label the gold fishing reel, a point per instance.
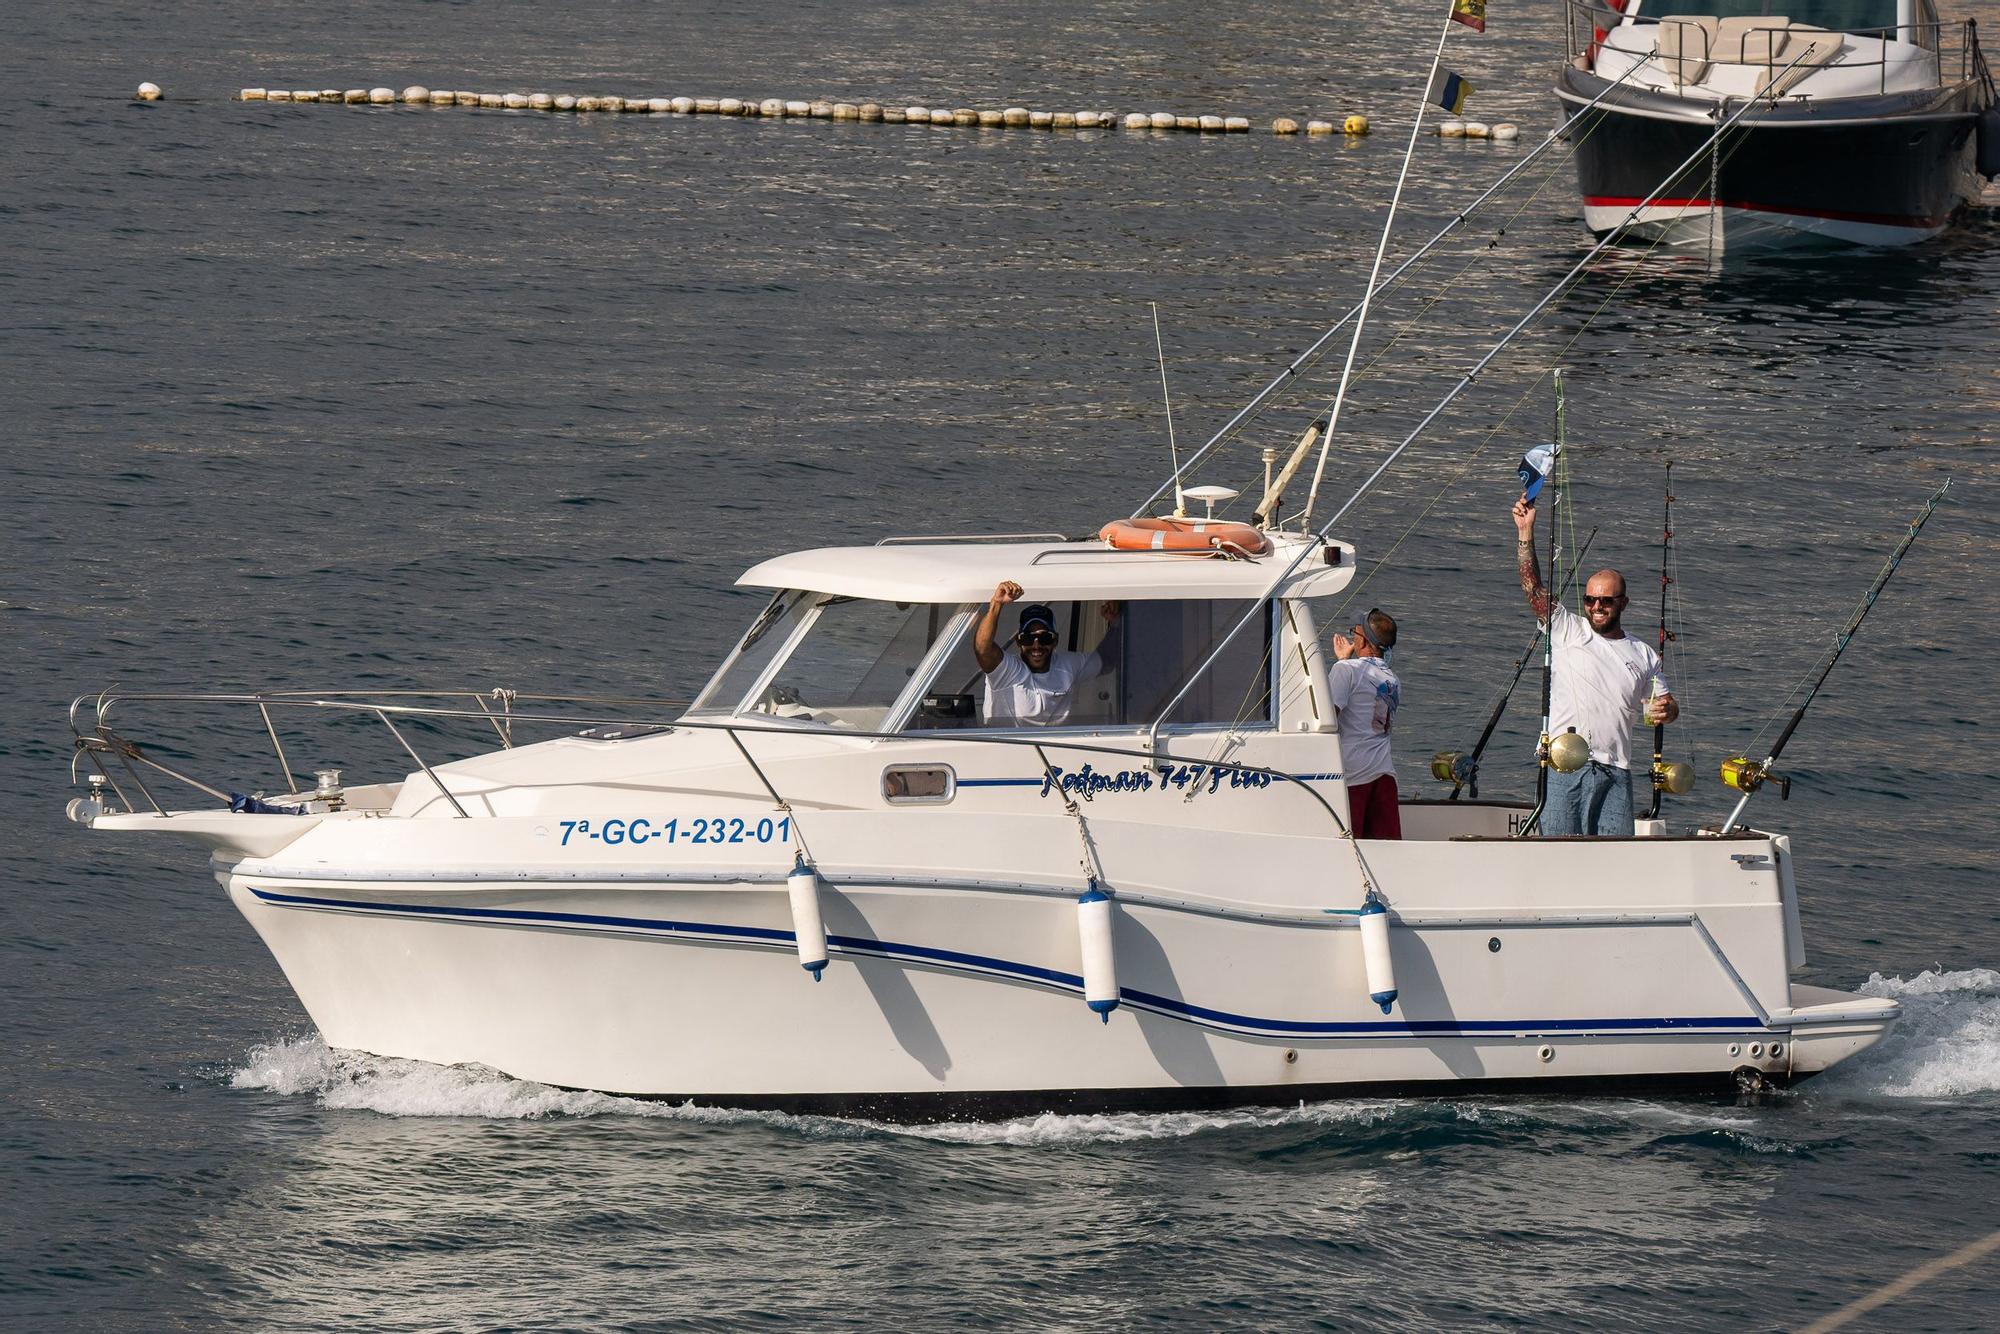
(1566, 753)
(1444, 766)
(1674, 776)
(1747, 775)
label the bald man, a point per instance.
(1604, 683)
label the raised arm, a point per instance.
(1527, 561)
(983, 648)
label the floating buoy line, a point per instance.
(1353, 126)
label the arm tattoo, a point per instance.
(1531, 579)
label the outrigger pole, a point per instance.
(1304, 361)
(1375, 271)
(1464, 382)
(1676, 778)
(1746, 775)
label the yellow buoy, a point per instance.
(1355, 124)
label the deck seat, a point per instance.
(1686, 46)
(1809, 46)
(1750, 41)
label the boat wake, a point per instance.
(1947, 1046)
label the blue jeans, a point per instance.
(1596, 799)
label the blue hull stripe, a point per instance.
(1166, 1005)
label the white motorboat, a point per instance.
(1870, 122)
(1154, 904)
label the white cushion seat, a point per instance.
(1686, 46)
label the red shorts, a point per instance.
(1374, 808)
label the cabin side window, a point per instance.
(1099, 677)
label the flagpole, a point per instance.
(1381, 248)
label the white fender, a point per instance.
(1100, 962)
(1375, 954)
(807, 928)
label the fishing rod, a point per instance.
(1308, 358)
(1544, 751)
(1747, 775)
(1465, 381)
(1677, 777)
(1462, 770)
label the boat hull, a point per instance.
(1891, 173)
(956, 1001)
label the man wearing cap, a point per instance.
(1365, 695)
(1603, 681)
(1032, 682)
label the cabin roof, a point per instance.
(956, 571)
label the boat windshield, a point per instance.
(1833, 15)
(822, 659)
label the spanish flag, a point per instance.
(1472, 13)
(1449, 91)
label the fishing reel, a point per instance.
(1747, 775)
(1455, 767)
(1565, 753)
(1674, 777)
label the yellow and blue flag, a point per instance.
(1472, 13)
(1449, 91)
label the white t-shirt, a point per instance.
(1016, 695)
(1366, 693)
(1600, 686)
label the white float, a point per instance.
(1375, 961)
(1284, 125)
(515, 101)
(354, 95)
(416, 95)
(465, 99)
(1506, 131)
(1236, 124)
(382, 96)
(251, 95)
(540, 101)
(1100, 959)
(683, 105)
(1451, 129)
(808, 930)
(148, 92)
(565, 102)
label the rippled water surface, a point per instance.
(329, 396)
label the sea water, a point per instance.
(387, 398)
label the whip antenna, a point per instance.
(1747, 775)
(1173, 449)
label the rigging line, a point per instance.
(1532, 385)
(1852, 625)
(1311, 355)
(1643, 256)
(1562, 284)
(1597, 119)
(1381, 249)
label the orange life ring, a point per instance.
(1182, 535)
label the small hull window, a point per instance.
(919, 784)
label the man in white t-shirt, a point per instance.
(1032, 681)
(1365, 695)
(1604, 681)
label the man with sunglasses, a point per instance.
(1365, 695)
(1604, 682)
(1032, 681)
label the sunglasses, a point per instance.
(1038, 639)
(1591, 601)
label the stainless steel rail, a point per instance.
(100, 741)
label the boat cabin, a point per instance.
(1778, 49)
